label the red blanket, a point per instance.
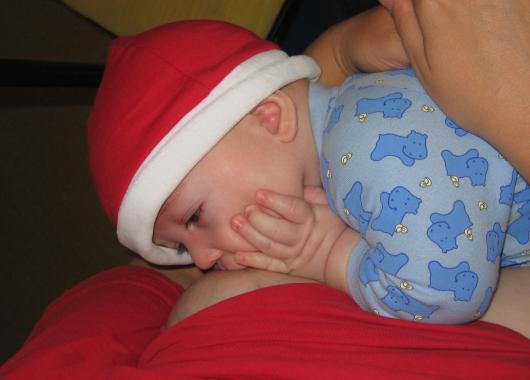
(109, 327)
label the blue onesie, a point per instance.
(438, 208)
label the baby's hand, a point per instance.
(292, 235)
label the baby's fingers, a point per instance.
(259, 241)
(258, 260)
(279, 230)
(289, 207)
(315, 195)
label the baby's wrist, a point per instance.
(337, 262)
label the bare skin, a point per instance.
(218, 286)
(309, 240)
(184, 276)
(510, 306)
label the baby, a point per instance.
(193, 120)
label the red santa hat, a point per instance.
(167, 97)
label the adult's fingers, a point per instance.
(388, 4)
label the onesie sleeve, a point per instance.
(375, 286)
(353, 274)
(424, 196)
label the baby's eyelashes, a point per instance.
(194, 218)
(181, 249)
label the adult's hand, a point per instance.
(473, 57)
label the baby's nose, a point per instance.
(205, 258)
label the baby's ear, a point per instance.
(277, 114)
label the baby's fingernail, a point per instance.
(260, 197)
(236, 222)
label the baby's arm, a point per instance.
(307, 239)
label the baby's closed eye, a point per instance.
(194, 218)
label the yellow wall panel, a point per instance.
(126, 17)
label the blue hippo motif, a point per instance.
(507, 191)
(470, 165)
(520, 228)
(524, 209)
(394, 207)
(392, 106)
(334, 118)
(486, 301)
(523, 196)
(445, 228)
(353, 203)
(459, 280)
(494, 242)
(407, 148)
(397, 300)
(331, 102)
(380, 258)
(324, 168)
(408, 72)
(459, 131)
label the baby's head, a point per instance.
(185, 118)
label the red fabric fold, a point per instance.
(109, 327)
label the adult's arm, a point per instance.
(366, 42)
(473, 57)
